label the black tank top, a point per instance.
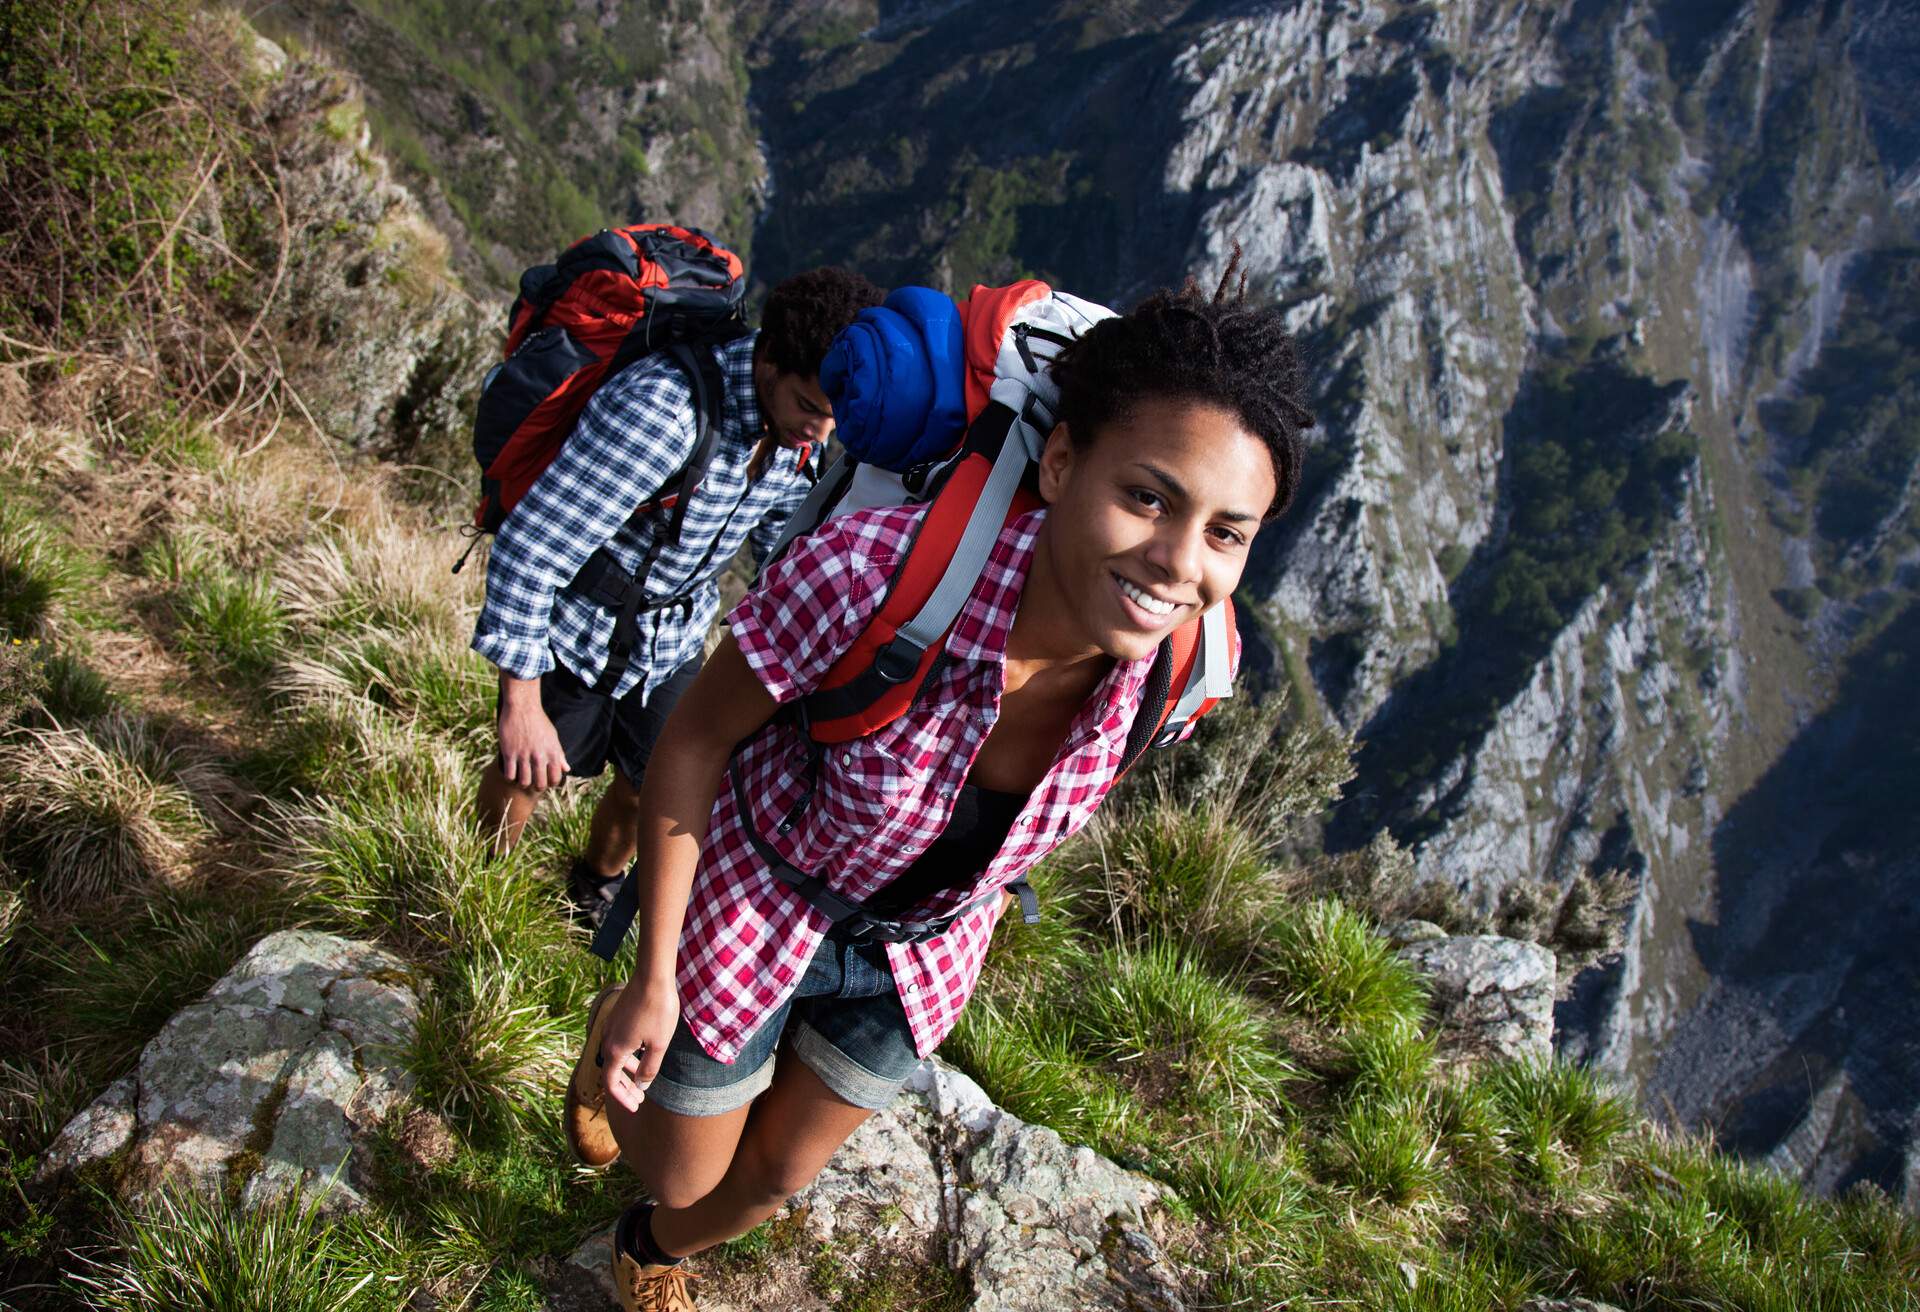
(981, 820)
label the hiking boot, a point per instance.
(644, 1288)
(590, 893)
(585, 1111)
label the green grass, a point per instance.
(119, 981)
(231, 621)
(1327, 964)
(189, 1253)
(485, 1052)
(1558, 1117)
(1162, 1019)
(96, 811)
(1383, 1150)
(42, 575)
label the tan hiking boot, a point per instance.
(650, 1288)
(585, 1112)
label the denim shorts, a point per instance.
(844, 1020)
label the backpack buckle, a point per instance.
(898, 660)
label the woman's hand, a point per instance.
(635, 1040)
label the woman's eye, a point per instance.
(1150, 499)
(1228, 536)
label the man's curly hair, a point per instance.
(1187, 345)
(806, 312)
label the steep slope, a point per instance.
(526, 125)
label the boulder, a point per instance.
(1492, 996)
(945, 1177)
(270, 1082)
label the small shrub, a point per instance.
(1327, 963)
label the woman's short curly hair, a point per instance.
(804, 313)
(1187, 345)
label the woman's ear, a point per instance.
(1056, 463)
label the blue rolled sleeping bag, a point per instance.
(896, 377)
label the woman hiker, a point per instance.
(1178, 436)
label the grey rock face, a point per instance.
(267, 1084)
(1036, 1222)
(1491, 995)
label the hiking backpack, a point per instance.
(951, 405)
(603, 303)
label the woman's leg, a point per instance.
(679, 1159)
(796, 1127)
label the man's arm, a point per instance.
(635, 433)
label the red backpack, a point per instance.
(605, 302)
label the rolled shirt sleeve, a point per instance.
(635, 433)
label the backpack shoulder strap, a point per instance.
(709, 392)
(1192, 670)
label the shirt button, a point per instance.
(912, 990)
(846, 758)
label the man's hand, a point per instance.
(530, 753)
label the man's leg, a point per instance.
(634, 728)
(615, 833)
(504, 807)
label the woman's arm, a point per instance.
(725, 705)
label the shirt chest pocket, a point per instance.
(862, 783)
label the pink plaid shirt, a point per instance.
(879, 800)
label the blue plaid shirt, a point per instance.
(635, 434)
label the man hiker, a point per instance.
(566, 704)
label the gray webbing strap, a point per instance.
(1216, 662)
(970, 556)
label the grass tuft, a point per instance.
(1384, 1150)
(1239, 1188)
(1326, 962)
(197, 1254)
(231, 621)
(1180, 1033)
(1558, 1116)
(482, 1053)
(42, 575)
(1178, 874)
(97, 811)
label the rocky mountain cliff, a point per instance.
(1608, 550)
